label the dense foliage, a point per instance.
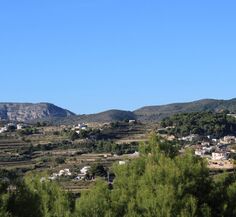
(202, 123)
(158, 183)
(33, 197)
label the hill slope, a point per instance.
(108, 116)
(102, 117)
(156, 113)
(24, 112)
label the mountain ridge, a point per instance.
(161, 111)
(31, 112)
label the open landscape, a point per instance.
(117, 108)
(42, 148)
(77, 156)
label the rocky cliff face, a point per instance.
(24, 112)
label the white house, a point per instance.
(82, 126)
(85, 169)
(20, 126)
(219, 155)
(229, 139)
(208, 149)
(3, 129)
(67, 172)
(64, 172)
(190, 138)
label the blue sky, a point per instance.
(93, 55)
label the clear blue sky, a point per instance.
(93, 55)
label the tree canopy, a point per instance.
(157, 184)
(202, 123)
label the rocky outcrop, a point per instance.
(25, 112)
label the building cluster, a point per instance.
(64, 172)
(80, 127)
(8, 127)
(67, 173)
(83, 173)
(211, 148)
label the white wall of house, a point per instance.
(219, 156)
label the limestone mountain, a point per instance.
(25, 112)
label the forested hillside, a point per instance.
(202, 123)
(157, 113)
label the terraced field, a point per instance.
(51, 149)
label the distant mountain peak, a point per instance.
(25, 112)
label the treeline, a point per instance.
(109, 146)
(160, 183)
(202, 123)
(86, 146)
